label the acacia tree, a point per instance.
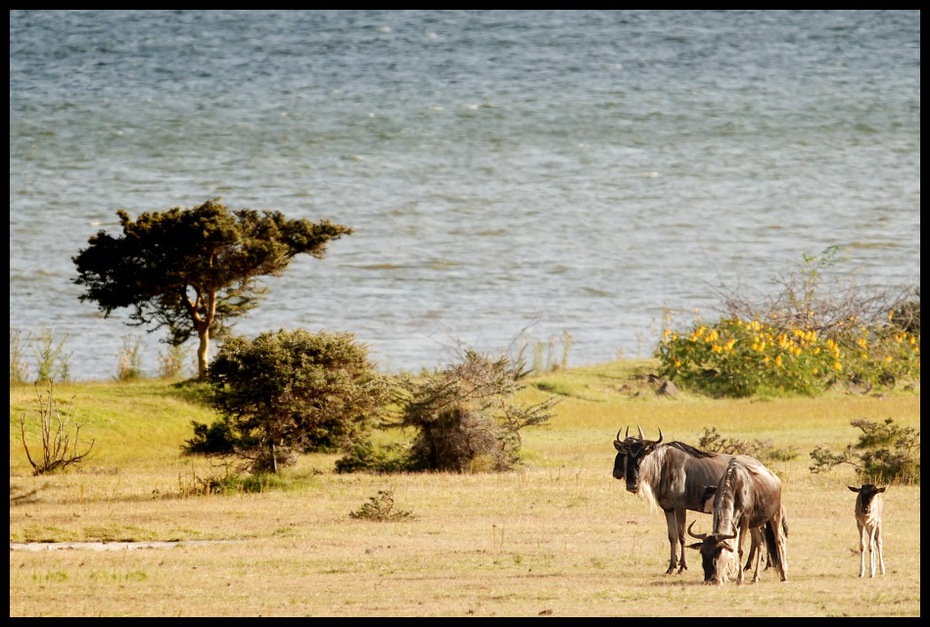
(193, 270)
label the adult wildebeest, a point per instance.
(869, 506)
(671, 476)
(747, 500)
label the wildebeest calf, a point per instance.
(869, 519)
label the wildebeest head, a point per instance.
(620, 459)
(630, 454)
(718, 556)
(866, 495)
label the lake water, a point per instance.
(508, 174)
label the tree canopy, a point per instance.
(194, 270)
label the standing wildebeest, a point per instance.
(869, 519)
(671, 476)
(747, 499)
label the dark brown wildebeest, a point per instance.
(869, 520)
(671, 476)
(747, 501)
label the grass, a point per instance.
(559, 536)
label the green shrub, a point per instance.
(288, 392)
(887, 453)
(380, 508)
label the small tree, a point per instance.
(289, 391)
(194, 270)
(463, 415)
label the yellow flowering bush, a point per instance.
(738, 358)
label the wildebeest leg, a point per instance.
(875, 547)
(781, 544)
(681, 516)
(861, 550)
(676, 540)
(756, 548)
(756, 551)
(740, 540)
(878, 545)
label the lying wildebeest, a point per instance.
(671, 476)
(747, 500)
(869, 519)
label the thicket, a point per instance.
(885, 453)
(809, 336)
(462, 417)
(763, 450)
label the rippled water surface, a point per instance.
(506, 173)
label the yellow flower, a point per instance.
(778, 360)
(838, 366)
(887, 359)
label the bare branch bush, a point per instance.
(463, 416)
(58, 449)
(809, 298)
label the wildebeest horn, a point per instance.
(692, 534)
(720, 538)
(618, 435)
(640, 432)
(660, 435)
(627, 431)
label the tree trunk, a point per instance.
(203, 352)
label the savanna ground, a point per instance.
(559, 536)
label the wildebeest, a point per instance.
(869, 519)
(747, 500)
(671, 476)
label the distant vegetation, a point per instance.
(290, 392)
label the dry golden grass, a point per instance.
(557, 537)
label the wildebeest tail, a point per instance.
(770, 545)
